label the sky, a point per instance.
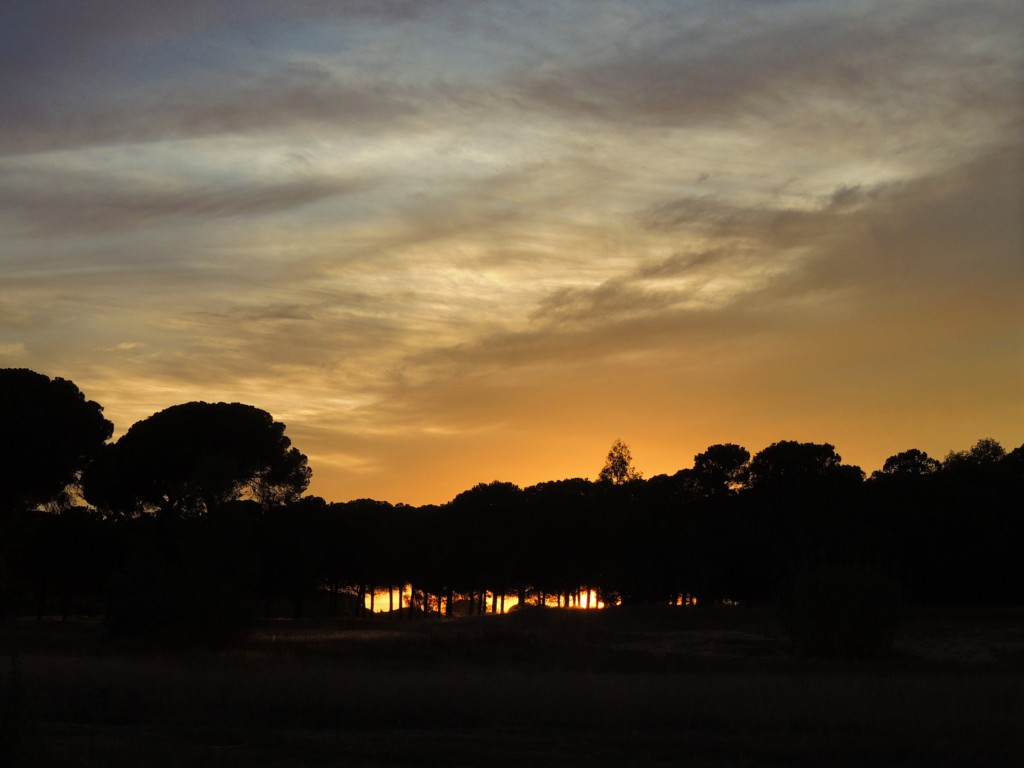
(450, 241)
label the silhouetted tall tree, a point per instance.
(481, 549)
(801, 500)
(560, 539)
(909, 463)
(49, 433)
(721, 469)
(618, 465)
(187, 459)
(985, 452)
(791, 463)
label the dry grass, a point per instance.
(541, 690)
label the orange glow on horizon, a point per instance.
(381, 601)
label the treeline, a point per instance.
(195, 518)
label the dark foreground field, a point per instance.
(698, 687)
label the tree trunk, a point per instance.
(494, 601)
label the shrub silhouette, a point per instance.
(839, 609)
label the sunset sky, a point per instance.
(452, 242)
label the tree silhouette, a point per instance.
(1014, 460)
(566, 547)
(801, 500)
(187, 459)
(231, 527)
(618, 465)
(721, 469)
(298, 545)
(985, 452)
(480, 552)
(50, 432)
(790, 463)
(909, 463)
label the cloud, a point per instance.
(130, 72)
(59, 203)
(758, 61)
(301, 97)
(125, 72)
(11, 350)
(442, 240)
(870, 295)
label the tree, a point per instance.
(188, 459)
(50, 433)
(984, 453)
(1014, 460)
(618, 465)
(790, 463)
(479, 552)
(721, 469)
(911, 463)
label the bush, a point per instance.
(840, 610)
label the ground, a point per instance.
(701, 687)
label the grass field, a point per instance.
(706, 687)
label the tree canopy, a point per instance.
(618, 465)
(190, 458)
(985, 452)
(911, 463)
(50, 432)
(721, 468)
(790, 463)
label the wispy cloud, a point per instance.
(56, 203)
(448, 242)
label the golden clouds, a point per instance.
(447, 246)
